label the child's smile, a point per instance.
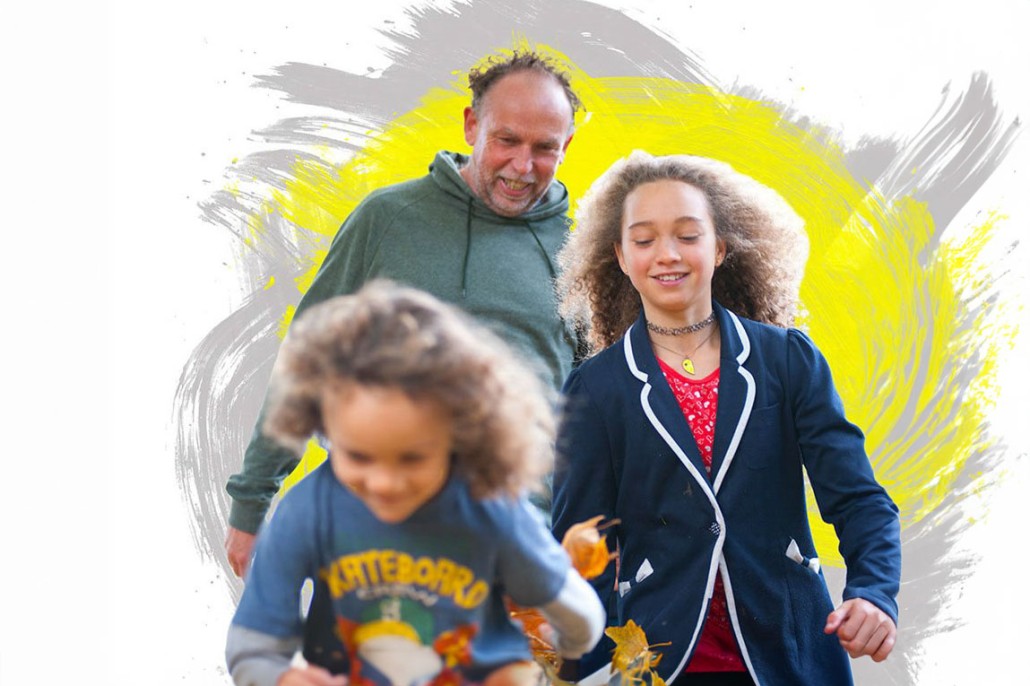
(392, 452)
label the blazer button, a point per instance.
(714, 528)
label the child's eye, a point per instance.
(412, 458)
(689, 239)
(643, 241)
(357, 458)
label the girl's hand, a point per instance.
(862, 629)
(310, 676)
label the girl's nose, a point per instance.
(668, 250)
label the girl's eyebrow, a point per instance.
(647, 223)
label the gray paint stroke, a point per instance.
(223, 381)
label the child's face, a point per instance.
(393, 453)
(669, 249)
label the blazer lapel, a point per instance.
(659, 403)
(736, 392)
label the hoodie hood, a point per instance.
(445, 173)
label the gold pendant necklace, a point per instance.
(687, 363)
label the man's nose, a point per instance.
(523, 160)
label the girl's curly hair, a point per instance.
(396, 337)
(766, 246)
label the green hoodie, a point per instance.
(434, 234)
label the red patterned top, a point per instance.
(698, 398)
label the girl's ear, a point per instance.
(618, 255)
(720, 251)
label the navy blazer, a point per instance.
(626, 452)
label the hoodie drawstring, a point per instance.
(468, 248)
(543, 251)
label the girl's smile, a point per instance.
(669, 249)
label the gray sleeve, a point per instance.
(257, 659)
(576, 616)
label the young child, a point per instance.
(693, 427)
(417, 525)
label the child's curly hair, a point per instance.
(766, 246)
(396, 337)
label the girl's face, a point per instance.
(669, 250)
(394, 454)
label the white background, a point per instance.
(118, 119)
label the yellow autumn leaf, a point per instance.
(630, 645)
(633, 657)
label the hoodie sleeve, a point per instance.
(345, 270)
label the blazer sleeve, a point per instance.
(584, 481)
(849, 497)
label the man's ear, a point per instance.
(472, 126)
(566, 146)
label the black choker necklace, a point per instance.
(680, 330)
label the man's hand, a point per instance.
(862, 629)
(238, 548)
(310, 675)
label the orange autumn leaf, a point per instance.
(532, 621)
(587, 548)
(454, 646)
(589, 555)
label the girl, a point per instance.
(690, 428)
(417, 524)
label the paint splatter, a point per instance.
(911, 320)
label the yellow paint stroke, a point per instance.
(887, 304)
(314, 455)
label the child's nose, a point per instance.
(383, 481)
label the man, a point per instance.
(479, 231)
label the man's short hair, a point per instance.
(483, 77)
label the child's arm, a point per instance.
(576, 616)
(266, 628)
(259, 659)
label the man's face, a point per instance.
(518, 138)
